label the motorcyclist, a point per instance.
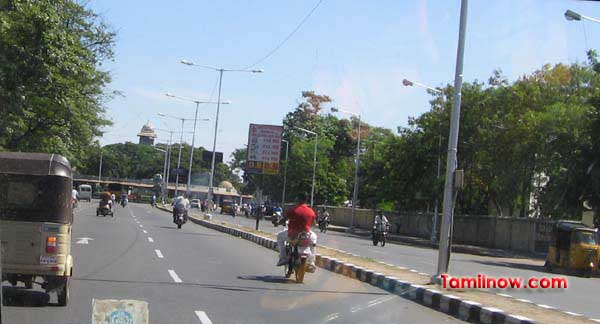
(181, 203)
(153, 201)
(74, 197)
(324, 216)
(124, 199)
(380, 223)
(301, 218)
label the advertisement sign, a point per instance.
(264, 149)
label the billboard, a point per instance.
(207, 156)
(264, 149)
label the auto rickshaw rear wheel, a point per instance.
(62, 293)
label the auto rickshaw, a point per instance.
(105, 206)
(573, 247)
(36, 217)
(227, 207)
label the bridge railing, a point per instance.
(95, 178)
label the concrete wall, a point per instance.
(517, 234)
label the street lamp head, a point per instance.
(257, 71)
(161, 115)
(333, 109)
(186, 62)
(572, 15)
(169, 94)
(226, 102)
(407, 83)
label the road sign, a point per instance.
(207, 156)
(264, 149)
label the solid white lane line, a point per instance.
(572, 314)
(174, 276)
(203, 317)
(145, 232)
(151, 240)
(159, 254)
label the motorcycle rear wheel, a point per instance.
(383, 240)
(300, 271)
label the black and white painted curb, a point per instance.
(446, 303)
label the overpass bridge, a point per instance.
(146, 185)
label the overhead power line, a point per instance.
(286, 38)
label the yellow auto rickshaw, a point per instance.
(227, 207)
(35, 221)
(573, 247)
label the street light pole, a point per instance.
(197, 102)
(212, 164)
(100, 167)
(312, 190)
(220, 70)
(433, 236)
(451, 162)
(287, 145)
(179, 158)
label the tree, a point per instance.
(52, 87)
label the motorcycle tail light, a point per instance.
(51, 244)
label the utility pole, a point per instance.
(451, 162)
(287, 145)
(100, 168)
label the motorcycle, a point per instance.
(380, 234)
(105, 210)
(180, 218)
(74, 203)
(298, 252)
(323, 223)
(276, 218)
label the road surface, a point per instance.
(224, 279)
(580, 297)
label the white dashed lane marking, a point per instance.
(141, 226)
(174, 276)
(145, 232)
(203, 317)
(159, 254)
(151, 240)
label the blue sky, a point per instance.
(357, 52)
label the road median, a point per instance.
(470, 305)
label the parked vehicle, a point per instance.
(37, 221)
(573, 247)
(299, 251)
(85, 192)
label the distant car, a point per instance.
(195, 203)
(85, 192)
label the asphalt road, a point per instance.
(229, 279)
(580, 297)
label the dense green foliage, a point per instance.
(135, 161)
(528, 147)
(52, 87)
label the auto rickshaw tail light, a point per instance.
(51, 244)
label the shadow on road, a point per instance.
(269, 279)
(21, 297)
(233, 287)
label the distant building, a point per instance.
(147, 135)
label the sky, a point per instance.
(357, 52)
